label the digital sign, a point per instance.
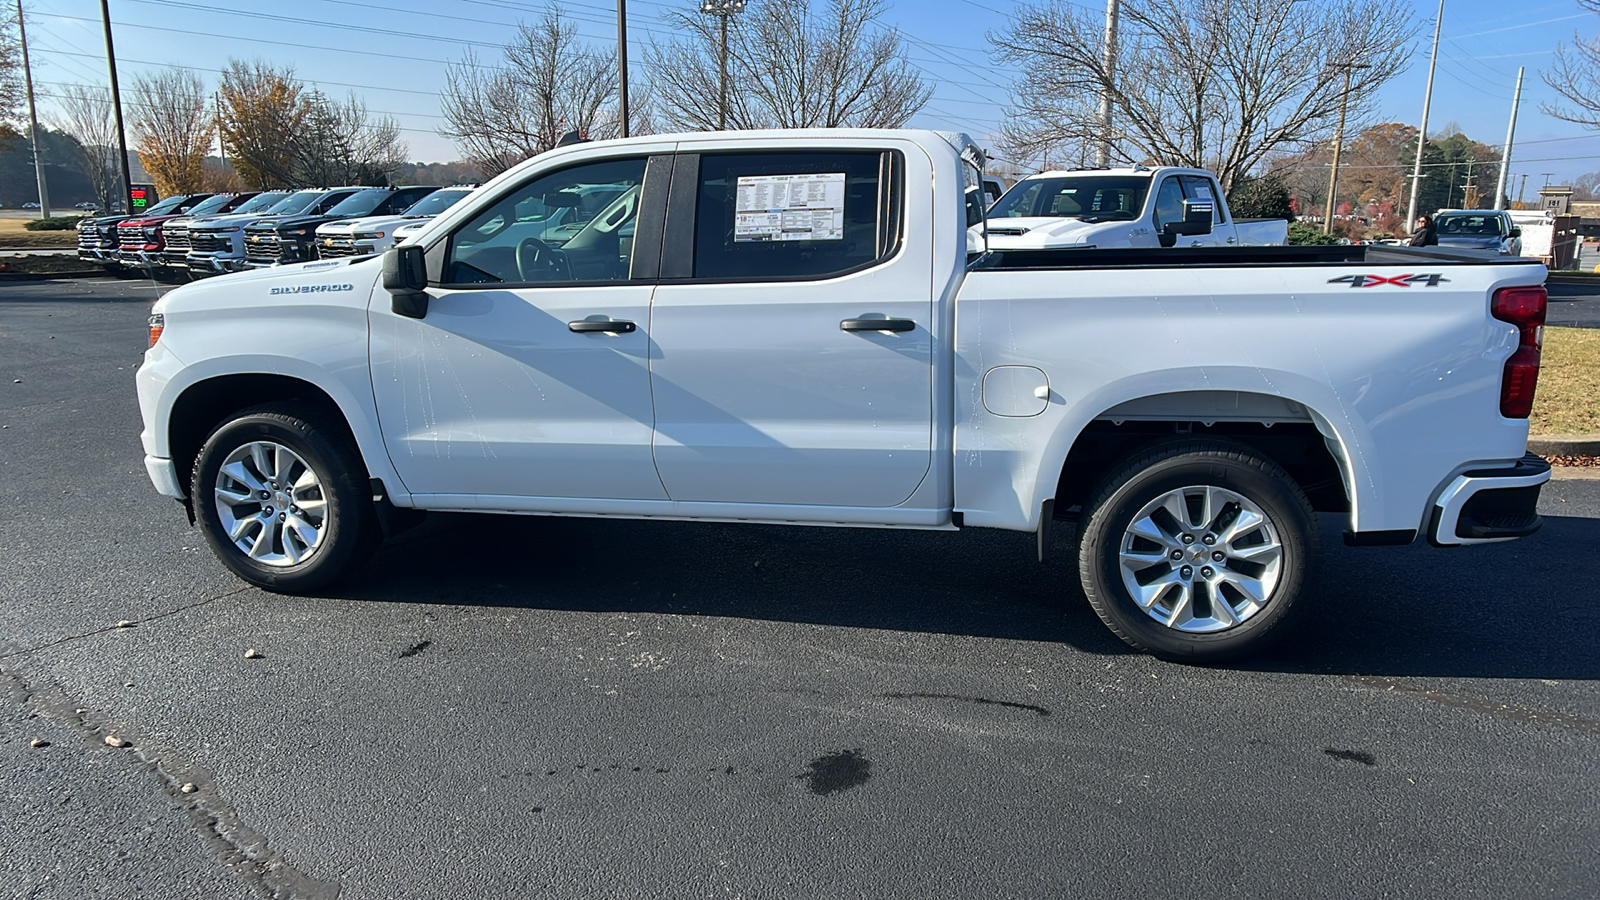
(140, 197)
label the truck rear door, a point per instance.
(791, 356)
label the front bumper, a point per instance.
(1482, 506)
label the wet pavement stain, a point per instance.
(837, 772)
(416, 648)
(982, 701)
(1359, 756)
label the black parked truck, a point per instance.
(290, 239)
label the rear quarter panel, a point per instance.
(1405, 380)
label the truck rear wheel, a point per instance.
(1196, 551)
(283, 499)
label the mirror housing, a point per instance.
(1514, 232)
(1196, 219)
(405, 277)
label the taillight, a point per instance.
(1523, 307)
(158, 324)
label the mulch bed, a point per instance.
(1574, 460)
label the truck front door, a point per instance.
(792, 357)
(529, 375)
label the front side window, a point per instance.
(1200, 188)
(1169, 203)
(774, 216)
(574, 225)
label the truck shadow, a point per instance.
(1518, 610)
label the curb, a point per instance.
(1565, 444)
(8, 277)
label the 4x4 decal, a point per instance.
(1357, 281)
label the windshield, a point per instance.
(1473, 226)
(361, 203)
(1093, 198)
(211, 204)
(165, 206)
(262, 202)
(435, 203)
(294, 203)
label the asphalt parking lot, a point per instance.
(541, 707)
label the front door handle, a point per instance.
(610, 326)
(877, 325)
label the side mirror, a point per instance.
(405, 277)
(1196, 219)
(1514, 232)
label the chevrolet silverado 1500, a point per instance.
(787, 326)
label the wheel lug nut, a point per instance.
(267, 513)
(1177, 554)
(1209, 539)
(281, 517)
(1186, 572)
(1218, 556)
(266, 494)
(1206, 572)
(1188, 539)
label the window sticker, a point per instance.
(1202, 190)
(790, 208)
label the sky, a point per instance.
(393, 53)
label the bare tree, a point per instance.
(340, 143)
(11, 90)
(86, 115)
(1216, 83)
(791, 66)
(173, 126)
(547, 84)
(1575, 75)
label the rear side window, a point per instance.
(775, 216)
(1198, 188)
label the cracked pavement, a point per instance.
(587, 708)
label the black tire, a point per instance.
(348, 531)
(1185, 469)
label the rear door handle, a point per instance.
(877, 325)
(610, 326)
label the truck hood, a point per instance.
(230, 220)
(1025, 233)
(281, 223)
(342, 227)
(342, 281)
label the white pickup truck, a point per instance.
(786, 327)
(1108, 208)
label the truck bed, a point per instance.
(1231, 257)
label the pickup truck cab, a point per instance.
(375, 234)
(786, 327)
(1125, 207)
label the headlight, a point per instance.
(368, 235)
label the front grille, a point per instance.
(177, 240)
(264, 249)
(202, 242)
(335, 249)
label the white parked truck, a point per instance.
(786, 326)
(1127, 207)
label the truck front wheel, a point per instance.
(1196, 551)
(283, 500)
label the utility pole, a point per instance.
(1338, 144)
(1422, 133)
(1469, 192)
(622, 62)
(1522, 190)
(1505, 153)
(1108, 66)
(723, 10)
(33, 119)
(116, 103)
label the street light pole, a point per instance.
(723, 10)
(1338, 144)
(116, 103)
(1422, 133)
(1108, 65)
(33, 119)
(622, 62)
(1505, 154)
